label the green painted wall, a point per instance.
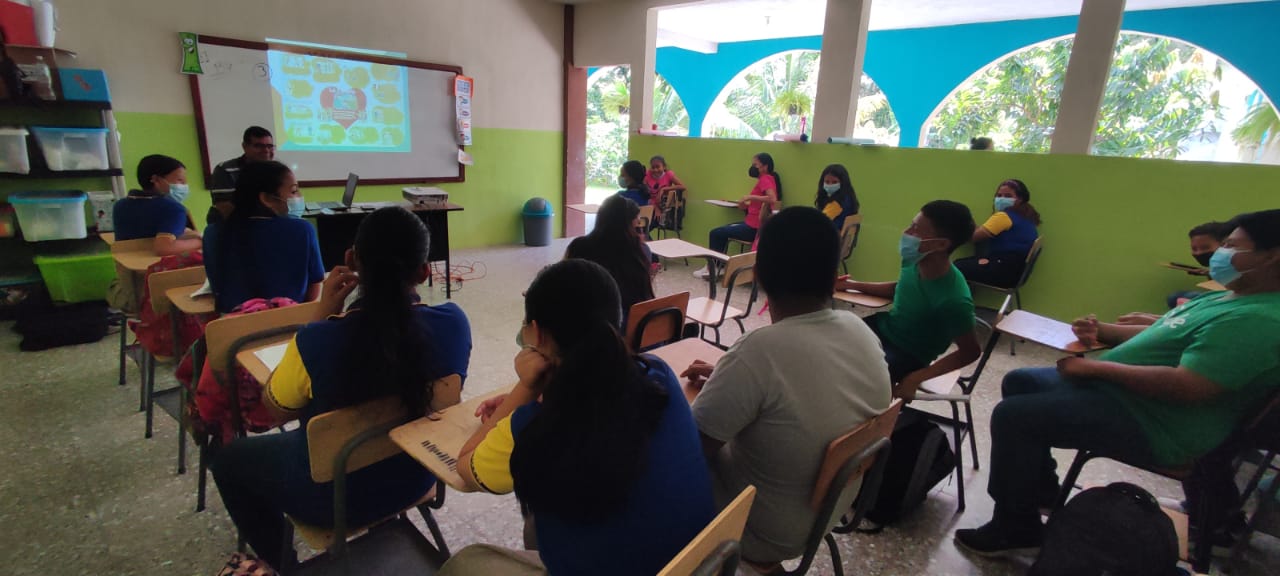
(1107, 220)
(510, 167)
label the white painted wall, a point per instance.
(513, 48)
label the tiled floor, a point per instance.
(81, 491)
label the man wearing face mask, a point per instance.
(932, 306)
(156, 210)
(1166, 395)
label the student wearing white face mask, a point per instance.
(1007, 237)
(836, 198)
(156, 210)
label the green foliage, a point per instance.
(1159, 97)
(608, 121)
(1259, 128)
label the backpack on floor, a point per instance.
(1117, 530)
(919, 458)
(62, 325)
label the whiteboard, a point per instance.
(237, 90)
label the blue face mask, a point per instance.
(1220, 267)
(297, 206)
(909, 249)
(622, 181)
(1003, 203)
(179, 192)
(831, 189)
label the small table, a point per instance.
(863, 299)
(1211, 285)
(676, 248)
(679, 355)
(137, 262)
(1044, 331)
(248, 358)
(436, 441)
(721, 203)
(1192, 270)
(108, 237)
(336, 232)
(584, 208)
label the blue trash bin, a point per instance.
(537, 222)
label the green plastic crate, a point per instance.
(77, 278)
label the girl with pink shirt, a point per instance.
(766, 195)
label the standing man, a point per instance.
(258, 146)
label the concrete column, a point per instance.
(844, 43)
(643, 62)
(1086, 79)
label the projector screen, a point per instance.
(388, 120)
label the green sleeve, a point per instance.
(1234, 350)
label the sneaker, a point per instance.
(994, 541)
(701, 273)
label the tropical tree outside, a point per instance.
(1164, 99)
(608, 121)
(775, 95)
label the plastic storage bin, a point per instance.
(77, 278)
(13, 151)
(73, 148)
(8, 221)
(50, 215)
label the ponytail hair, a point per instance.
(767, 160)
(1024, 208)
(386, 346)
(256, 178)
(580, 453)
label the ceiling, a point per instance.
(703, 25)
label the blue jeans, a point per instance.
(739, 231)
(1041, 410)
(901, 362)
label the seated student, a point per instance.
(783, 392)
(662, 182)
(263, 249)
(1165, 395)
(932, 306)
(386, 344)
(631, 180)
(598, 443)
(615, 244)
(765, 195)
(836, 197)
(156, 211)
(258, 146)
(1205, 239)
(1008, 235)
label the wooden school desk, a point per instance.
(1211, 285)
(721, 203)
(248, 358)
(435, 441)
(584, 208)
(1044, 331)
(673, 248)
(680, 354)
(184, 302)
(863, 299)
(136, 261)
(337, 233)
(108, 237)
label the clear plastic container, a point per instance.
(50, 215)
(13, 151)
(73, 148)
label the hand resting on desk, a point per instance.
(698, 372)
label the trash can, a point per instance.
(537, 222)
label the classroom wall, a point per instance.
(513, 48)
(895, 58)
(1107, 221)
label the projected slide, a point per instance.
(335, 105)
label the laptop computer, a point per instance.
(347, 196)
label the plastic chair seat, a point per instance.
(943, 384)
(707, 311)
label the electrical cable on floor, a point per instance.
(458, 273)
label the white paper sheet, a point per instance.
(205, 290)
(272, 355)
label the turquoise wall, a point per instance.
(918, 68)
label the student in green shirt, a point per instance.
(932, 306)
(1165, 395)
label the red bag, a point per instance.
(154, 331)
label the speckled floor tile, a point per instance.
(82, 492)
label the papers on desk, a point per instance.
(436, 441)
(272, 355)
(205, 290)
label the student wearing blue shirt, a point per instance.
(599, 444)
(264, 249)
(836, 198)
(156, 211)
(1008, 236)
(631, 181)
(386, 344)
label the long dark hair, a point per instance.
(386, 350)
(155, 165)
(635, 172)
(256, 178)
(579, 457)
(767, 160)
(846, 187)
(1023, 209)
(615, 245)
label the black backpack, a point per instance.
(62, 325)
(1116, 530)
(919, 458)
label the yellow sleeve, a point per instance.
(997, 223)
(290, 384)
(491, 460)
(832, 210)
